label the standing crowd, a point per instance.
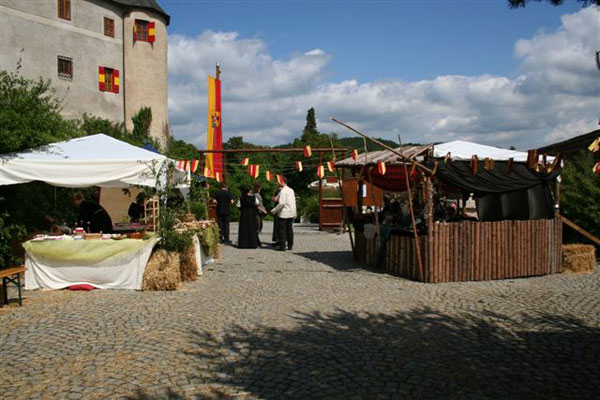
(252, 211)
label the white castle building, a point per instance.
(105, 57)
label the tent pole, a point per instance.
(414, 225)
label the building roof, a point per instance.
(147, 4)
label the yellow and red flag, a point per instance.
(320, 171)
(194, 165)
(245, 161)
(355, 154)
(206, 173)
(298, 165)
(381, 167)
(596, 168)
(218, 177)
(269, 175)
(280, 179)
(179, 165)
(307, 151)
(595, 146)
(214, 139)
(330, 166)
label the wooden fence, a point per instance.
(475, 251)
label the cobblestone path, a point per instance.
(306, 325)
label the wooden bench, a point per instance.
(11, 275)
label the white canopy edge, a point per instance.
(463, 150)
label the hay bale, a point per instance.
(162, 271)
(188, 267)
(578, 258)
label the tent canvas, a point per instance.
(96, 160)
(461, 150)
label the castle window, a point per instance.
(65, 67)
(108, 79)
(143, 31)
(64, 9)
(109, 27)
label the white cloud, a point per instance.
(554, 95)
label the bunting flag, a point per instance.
(298, 165)
(206, 173)
(596, 168)
(474, 164)
(256, 171)
(320, 171)
(269, 175)
(307, 151)
(214, 139)
(510, 165)
(556, 162)
(595, 146)
(355, 154)
(532, 158)
(280, 179)
(218, 177)
(447, 158)
(412, 169)
(251, 170)
(330, 166)
(245, 161)
(179, 165)
(194, 165)
(381, 167)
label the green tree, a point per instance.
(522, 3)
(141, 123)
(30, 114)
(310, 129)
(580, 192)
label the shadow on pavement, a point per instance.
(339, 260)
(421, 353)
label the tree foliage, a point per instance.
(580, 192)
(522, 3)
(30, 114)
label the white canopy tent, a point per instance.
(463, 150)
(96, 160)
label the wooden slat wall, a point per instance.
(476, 251)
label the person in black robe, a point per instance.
(248, 232)
(93, 218)
(136, 209)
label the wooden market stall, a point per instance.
(478, 213)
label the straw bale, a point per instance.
(162, 271)
(188, 267)
(578, 258)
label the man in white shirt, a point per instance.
(286, 211)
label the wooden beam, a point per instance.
(579, 229)
(290, 150)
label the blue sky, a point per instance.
(372, 40)
(321, 54)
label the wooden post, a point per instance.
(414, 225)
(320, 194)
(430, 222)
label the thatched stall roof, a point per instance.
(373, 157)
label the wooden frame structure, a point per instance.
(455, 251)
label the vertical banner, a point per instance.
(214, 138)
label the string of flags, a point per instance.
(594, 147)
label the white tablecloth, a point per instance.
(122, 272)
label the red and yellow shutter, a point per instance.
(151, 32)
(101, 77)
(116, 81)
(134, 30)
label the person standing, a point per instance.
(92, 217)
(260, 207)
(224, 201)
(248, 232)
(275, 237)
(286, 211)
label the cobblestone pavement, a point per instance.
(305, 325)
